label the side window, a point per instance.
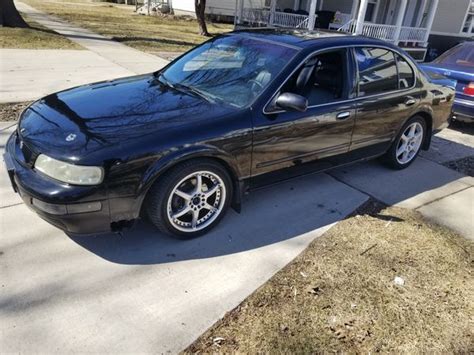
(321, 79)
(406, 76)
(377, 71)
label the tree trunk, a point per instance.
(200, 9)
(9, 15)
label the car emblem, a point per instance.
(70, 137)
(447, 73)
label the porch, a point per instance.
(401, 22)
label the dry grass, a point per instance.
(11, 111)
(152, 34)
(339, 295)
(35, 37)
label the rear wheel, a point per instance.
(190, 199)
(407, 145)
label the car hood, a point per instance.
(72, 124)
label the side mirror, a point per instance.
(292, 102)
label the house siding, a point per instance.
(450, 16)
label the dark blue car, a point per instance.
(458, 64)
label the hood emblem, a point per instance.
(70, 137)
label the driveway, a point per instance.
(144, 292)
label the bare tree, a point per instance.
(200, 9)
(9, 15)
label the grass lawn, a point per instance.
(152, 34)
(35, 37)
(340, 296)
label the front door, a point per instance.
(289, 143)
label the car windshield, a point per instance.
(459, 55)
(229, 69)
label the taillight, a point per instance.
(469, 89)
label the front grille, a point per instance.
(29, 155)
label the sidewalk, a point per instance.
(127, 57)
(27, 75)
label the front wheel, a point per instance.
(190, 199)
(407, 145)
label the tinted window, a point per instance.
(377, 71)
(321, 79)
(231, 69)
(405, 73)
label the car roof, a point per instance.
(304, 38)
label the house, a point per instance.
(413, 24)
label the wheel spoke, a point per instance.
(183, 195)
(198, 183)
(211, 191)
(411, 133)
(195, 219)
(181, 213)
(401, 149)
(207, 206)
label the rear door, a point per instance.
(386, 97)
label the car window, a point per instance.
(231, 69)
(321, 79)
(377, 71)
(406, 76)
(462, 54)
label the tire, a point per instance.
(177, 207)
(399, 158)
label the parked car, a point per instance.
(458, 64)
(240, 111)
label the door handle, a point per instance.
(343, 115)
(410, 101)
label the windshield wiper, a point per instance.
(195, 91)
(162, 78)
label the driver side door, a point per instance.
(290, 143)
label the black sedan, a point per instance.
(242, 110)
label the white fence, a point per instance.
(280, 19)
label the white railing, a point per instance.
(285, 19)
(348, 27)
(413, 34)
(385, 32)
(280, 19)
(255, 16)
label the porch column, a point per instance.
(312, 14)
(430, 19)
(239, 11)
(361, 16)
(296, 5)
(421, 12)
(399, 22)
(273, 5)
(355, 5)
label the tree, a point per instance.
(9, 15)
(200, 9)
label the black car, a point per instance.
(242, 110)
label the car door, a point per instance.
(305, 141)
(387, 96)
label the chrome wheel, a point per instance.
(409, 143)
(196, 201)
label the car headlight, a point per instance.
(70, 173)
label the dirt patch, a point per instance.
(464, 166)
(11, 112)
(384, 279)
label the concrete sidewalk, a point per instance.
(27, 75)
(129, 58)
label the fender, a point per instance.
(174, 157)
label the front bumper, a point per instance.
(74, 209)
